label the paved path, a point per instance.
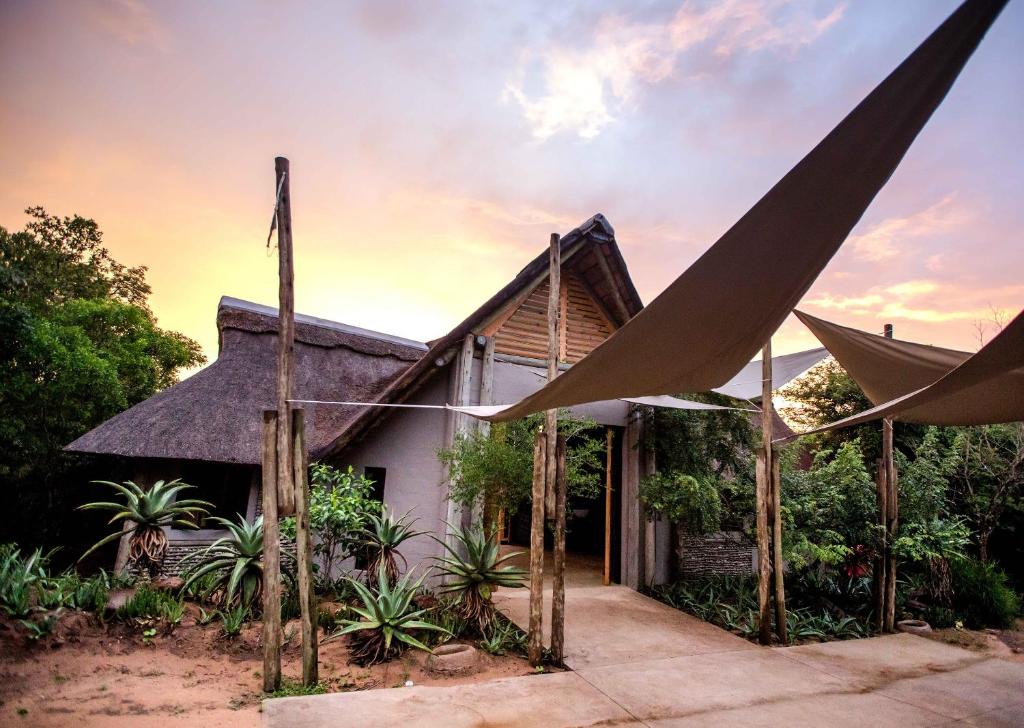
(637, 662)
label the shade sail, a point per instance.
(785, 368)
(884, 368)
(487, 412)
(711, 320)
(986, 388)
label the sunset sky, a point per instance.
(434, 146)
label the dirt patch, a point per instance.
(1007, 644)
(90, 674)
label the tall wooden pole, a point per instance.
(304, 551)
(607, 578)
(285, 339)
(551, 415)
(762, 494)
(555, 470)
(558, 588)
(535, 644)
(271, 559)
(885, 564)
(781, 628)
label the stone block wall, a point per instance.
(724, 553)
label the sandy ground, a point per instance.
(93, 675)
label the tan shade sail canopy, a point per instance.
(985, 388)
(884, 368)
(712, 319)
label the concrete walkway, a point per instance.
(637, 662)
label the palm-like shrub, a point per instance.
(231, 568)
(387, 619)
(149, 511)
(382, 536)
(473, 577)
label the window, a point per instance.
(225, 486)
(378, 476)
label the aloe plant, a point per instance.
(381, 537)
(231, 568)
(148, 511)
(387, 619)
(473, 577)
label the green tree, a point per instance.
(78, 344)
(497, 468)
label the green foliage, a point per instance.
(148, 510)
(982, 594)
(381, 536)
(295, 688)
(340, 503)
(938, 538)
(830, 508)
(731, 603)
(473, 570)
(705, 444)
(146, 605)
(78, 344)
(497, 468)
(503, 637)
(387, 620)
(235, 563)
(694, 503)
(233, 619)
(20, 577)
(40, 628)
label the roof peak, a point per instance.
(238, 304)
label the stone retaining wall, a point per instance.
(727, 553)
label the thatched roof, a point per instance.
(215, 415)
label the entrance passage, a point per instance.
(589, 530)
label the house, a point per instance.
(207, 428)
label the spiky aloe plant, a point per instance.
(149, 511)
(386, 621)
(473, 577)
(234, 564)
(381, 536)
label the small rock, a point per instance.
(117, 598)
(409, 683)
(168, 583)
(453, 659)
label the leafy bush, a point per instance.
(473, 578)
(19, 579)
(496, 469)
(387, 620)
(235, 563)
(982, 594)
(683, 499)
(339, 503)
(146, 605)
(504, 636)
(149, 510)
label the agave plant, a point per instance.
(381, 537)
(231, 568)
(149, 511)
(387, 619)
(473, 577)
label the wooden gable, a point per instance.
(522, 330)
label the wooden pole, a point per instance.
(763, 474)
(891, 511)
(304, 551)
(781, 628)
(285, 339)
(558, 581)
(609, 436)
(880, 561)
(885, 582)
(271, 559)
(551, 415)
(650, 525)
(488, 511)
(535, 646)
